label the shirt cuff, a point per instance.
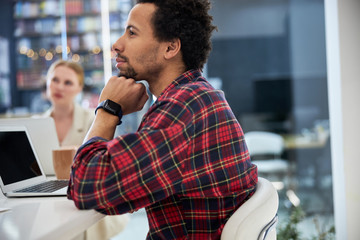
(92, 140)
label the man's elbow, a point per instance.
(84, 199)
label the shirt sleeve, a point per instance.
(134, 170)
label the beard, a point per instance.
(128, 73)
(150, 67)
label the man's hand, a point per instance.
(131, 95)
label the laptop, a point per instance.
(21, 174)
(44, 138)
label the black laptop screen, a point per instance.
(17, 160)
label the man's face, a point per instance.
(138, 52)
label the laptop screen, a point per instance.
(17, 160)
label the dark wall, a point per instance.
(240, 62)
(244, 62)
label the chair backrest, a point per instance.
(259, 142)
(256, 217)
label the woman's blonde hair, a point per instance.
(72, 65)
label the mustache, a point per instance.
(121, 74)
(122, 57)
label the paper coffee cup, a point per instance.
(62, 161)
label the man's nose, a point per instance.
(118, 46)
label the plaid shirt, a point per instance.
(187, 164)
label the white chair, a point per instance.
(256, 219)
(265, 149)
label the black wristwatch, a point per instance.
(112, 108)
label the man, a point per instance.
(187, 164)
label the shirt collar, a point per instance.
(187, 77)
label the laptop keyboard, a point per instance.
(46, 187)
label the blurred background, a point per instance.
(269, 57)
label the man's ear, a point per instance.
(173, 48)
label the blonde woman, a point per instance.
(64, 81)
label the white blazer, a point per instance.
(83, 119)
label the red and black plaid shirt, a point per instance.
(187, 164)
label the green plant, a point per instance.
(289, 230)
(323, 234)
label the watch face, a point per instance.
(110, 106)
(113, 108)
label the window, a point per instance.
(270, 58)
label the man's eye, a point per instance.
(131, 33)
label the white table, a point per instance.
(43, 218)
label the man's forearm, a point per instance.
(130, 95)
(104, 126)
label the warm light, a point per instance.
(96, 50)
(30, 53)
(23, 50)
(67, 49)
(58, 49)
(42, 52)
(76, 58)
(49, 56)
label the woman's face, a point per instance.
(62, 86)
